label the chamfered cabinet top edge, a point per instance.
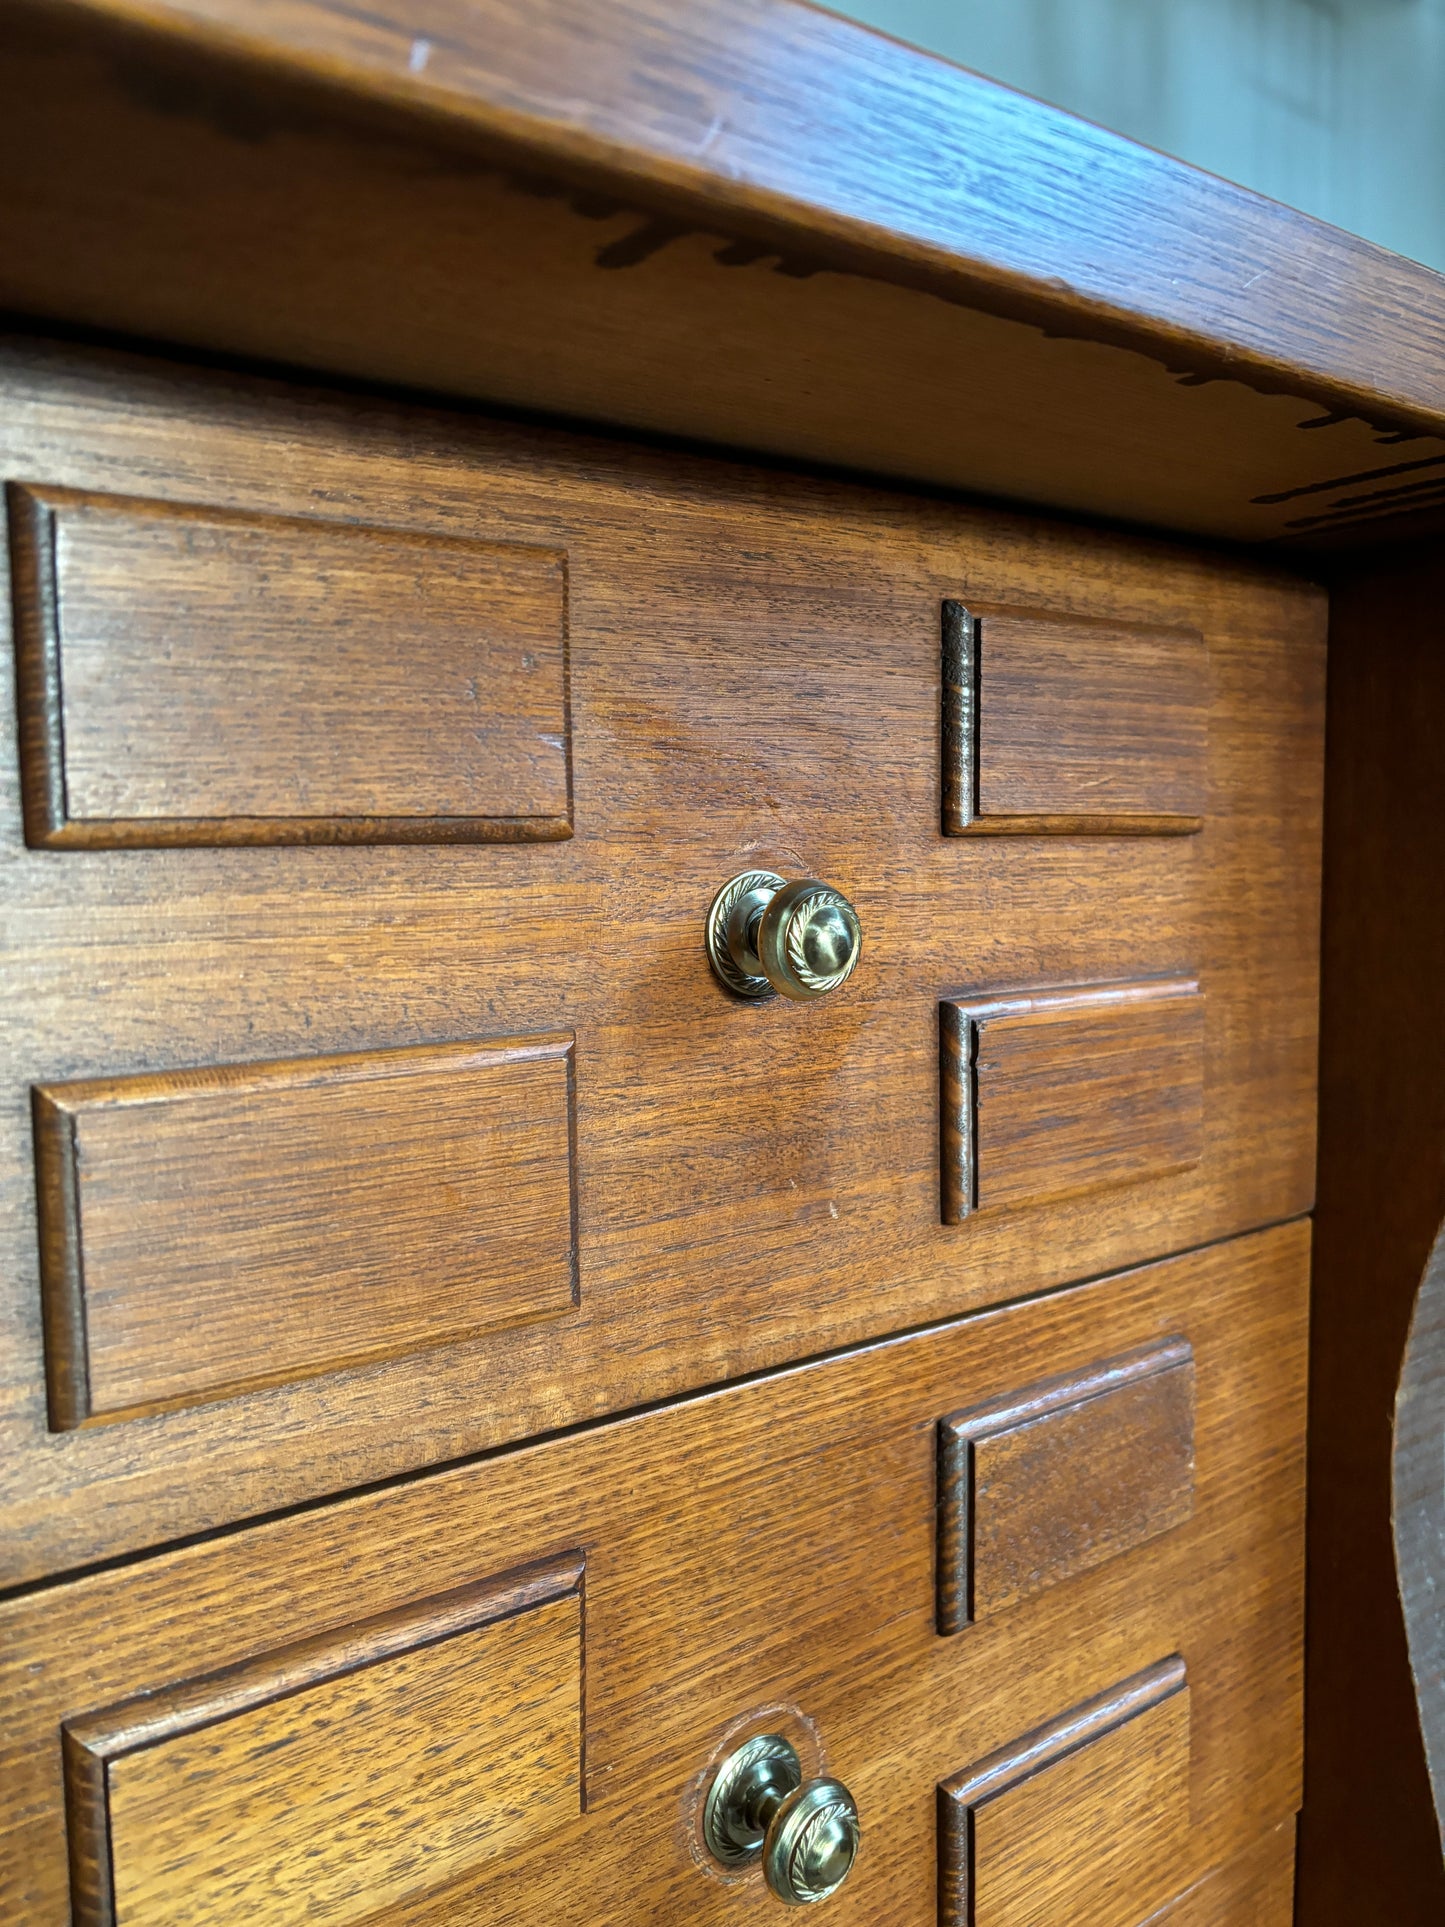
(758, 228)
(786, 111)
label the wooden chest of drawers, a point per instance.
(396, 1141)
(500, 1691)
(502, 1416)
(377, 770)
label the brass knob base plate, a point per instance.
(762, 883)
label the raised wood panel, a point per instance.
(1053, 725)
(1053, 1480)
(1054, 1092)
(760, 1558)
(1084, 1820)
(328, 1780)
(754, 664)
(207, 1230)
(191, 675)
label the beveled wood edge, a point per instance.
(91, 1741)
(585, 96)
(56, 1108)
(1123, 993)
(1001, 1771)
(299, 1073)
(959, 1432)
(62, 1281)
(54, 497)
(32, 512)
(957, 1111)
(960, 718)
(1110, 825)
(293, 832)
(960, 1019)
(39, 698)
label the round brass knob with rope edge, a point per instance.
(766, 936)
(806, 1832)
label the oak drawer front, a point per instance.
(1053, 725)
(212, 1230)
(761, 1559)
(752, 674)
(190, 675)
(330, 1779)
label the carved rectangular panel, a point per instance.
(1084, 1820)
(189, 675)
(1050, 1092)
(338, 1776)
(1052, 724)
(206, 1230)
(1057, 1479)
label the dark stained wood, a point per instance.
(768, 228)
(337, 1774)
(1370, 1848)
(1418, 1510)
(760, 1557)
(754, 678)
(1071, 727)
(1083, 1819)
(1054, 1480)
(192, 676)
(205, 1231)
(1053, 1092)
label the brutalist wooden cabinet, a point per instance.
(528, 535)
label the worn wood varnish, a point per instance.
(754, 663)
(207, 1231)
(768, 228)
(1059, 1091)
(761, 1558)
(1058, 1477)
(192, 676)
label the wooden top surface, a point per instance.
(817, 151)
(785, 110)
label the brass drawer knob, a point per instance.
(807, 1832)
(765, 935)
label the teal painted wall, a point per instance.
(1335, 106)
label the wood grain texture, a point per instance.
(204, 1231)
(1054, 1480)
(1053, 1092)
(1370, 1849)
(321, 1781)
(761, 1558)
(1418, 1512)
(754, 677)
(1081, 323)
(1084, 1819)
(188, 675)
(1257, 1887)
(1069, 727)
